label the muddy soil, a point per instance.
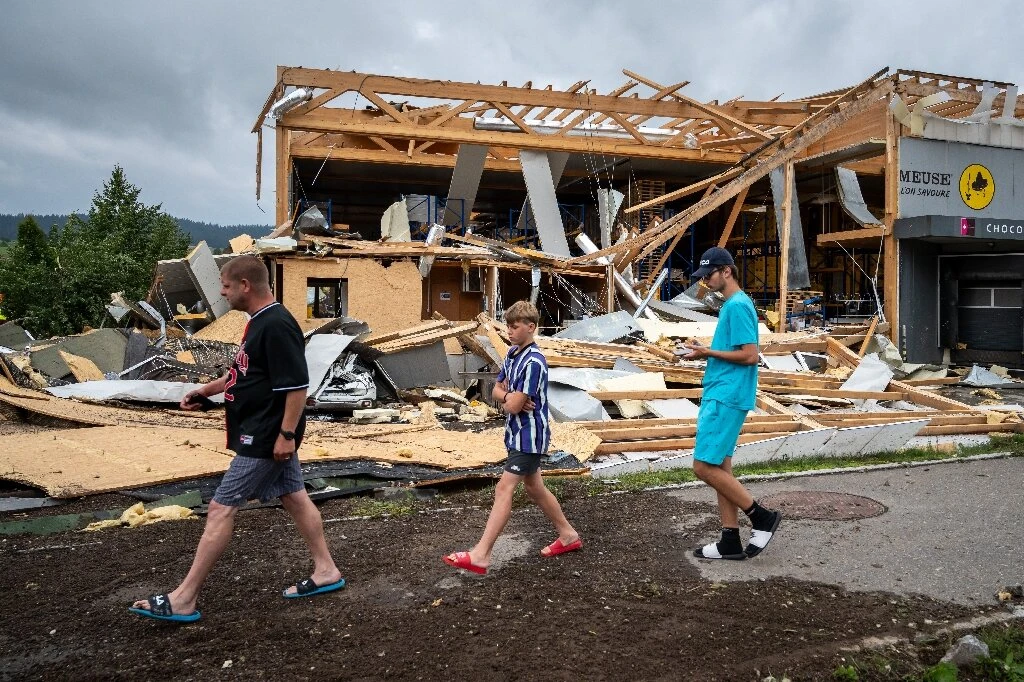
(630, 605)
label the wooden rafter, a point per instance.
(710, 111)
(759, 164)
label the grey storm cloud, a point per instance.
(170, 90)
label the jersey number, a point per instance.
(232, 379)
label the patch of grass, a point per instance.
(1014, 444)
(377, 508)
(942, 672)
(1005, 662)
(651, 479)
(846, 673)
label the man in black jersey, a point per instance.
(264, 396)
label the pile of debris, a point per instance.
(413, 404)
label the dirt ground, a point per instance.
(630, 605)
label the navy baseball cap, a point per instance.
(713, 258)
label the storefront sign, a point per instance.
(989, 229)
(960, 180)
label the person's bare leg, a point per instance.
(728, 511)
(480, 555)
(725, 484)
(220, 522)
(548, 503)
(311, 527)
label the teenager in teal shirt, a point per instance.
(730, 385)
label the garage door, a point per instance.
(991, 315)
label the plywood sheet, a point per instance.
(75, 462)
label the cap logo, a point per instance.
(705, 261)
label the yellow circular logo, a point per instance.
(977, 186)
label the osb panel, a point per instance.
(386, 298)
(228, 328)
(437, 447)
(74, 462)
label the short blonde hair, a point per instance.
(522, 311)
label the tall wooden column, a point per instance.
(891, 252)
(783, 230)
(283, 164)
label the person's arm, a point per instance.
(499, 391)
(294, 403)
(521, 400)
(747, 354)
(208, 390)
(516, 402)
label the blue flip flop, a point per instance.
(307, 588)
(160, 609)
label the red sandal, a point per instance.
(556, 547)
(462, 560)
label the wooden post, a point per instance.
(492, 291)
(283, 161)
(609, 285)
(868, 335)
(787, 219)
(891, 253)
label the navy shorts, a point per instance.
(258, 478)
(522, 463)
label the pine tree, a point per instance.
(58, 285)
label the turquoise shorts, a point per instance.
(718, 429)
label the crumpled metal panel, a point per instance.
(852, 199)
(611, 328)
(799, 277)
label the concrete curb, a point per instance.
(823, 472)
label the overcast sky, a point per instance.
(170, 90)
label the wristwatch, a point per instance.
(288, 435)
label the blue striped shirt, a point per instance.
(526, 371)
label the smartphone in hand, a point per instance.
(202, 401)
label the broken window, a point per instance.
(326, 298)
(472, 282)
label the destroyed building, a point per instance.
(900, 200)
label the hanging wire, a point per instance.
(872, 280)
(329, 150)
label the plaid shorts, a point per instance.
(258, 478)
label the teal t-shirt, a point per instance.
(727, 382)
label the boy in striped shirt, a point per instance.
(522, 390)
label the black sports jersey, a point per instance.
(270, 362)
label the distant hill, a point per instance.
(216, 236)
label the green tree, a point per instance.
(56, 285)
